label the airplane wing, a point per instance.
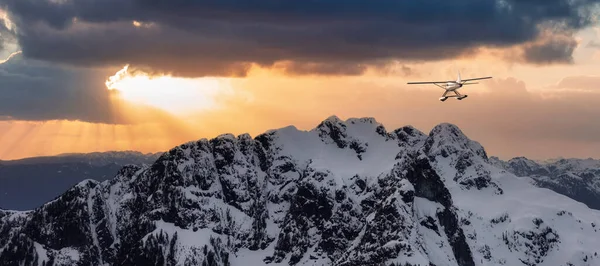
(428, 82)
(476, 79)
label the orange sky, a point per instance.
(523, 111)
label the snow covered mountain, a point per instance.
(578, 179)
(28, 183)
(344, 193)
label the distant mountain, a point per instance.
(344, 193)
(578, 179)
(28, 183)
(94, 158)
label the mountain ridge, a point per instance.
(28, 183)
(97, 158)
(342, 193)
(576, 178)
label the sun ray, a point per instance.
(177, 96)
(18, 137)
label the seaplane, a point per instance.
(452, 86)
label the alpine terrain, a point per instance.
(344, 193)
(578, 179)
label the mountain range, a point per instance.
(344, 193)
(578, 179)
(28, 183)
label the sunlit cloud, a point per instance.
(9, 57)
(6, 21)
(139, 24)
(175, 95)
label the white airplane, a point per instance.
(451, 86)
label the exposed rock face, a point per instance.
(345, 193)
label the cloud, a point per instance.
(591, 83)
(297, 68)
(199, 38)
(38, 91)
(593, 44)
(555, 48)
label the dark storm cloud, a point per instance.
(556, 49)
(39, 91)
(196, 38)
(324, 68)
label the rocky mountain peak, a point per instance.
(460, 159)
(364, 120)
(333, 130)
(410, 136)
(522, 166)
(354, 133)
(446, 138)
(345, 193)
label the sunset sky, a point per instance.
(100, 75)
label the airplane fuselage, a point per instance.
(451, 86)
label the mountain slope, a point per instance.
(578, 179)
(28, 183)
(345, 193)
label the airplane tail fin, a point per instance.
(458, 80)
